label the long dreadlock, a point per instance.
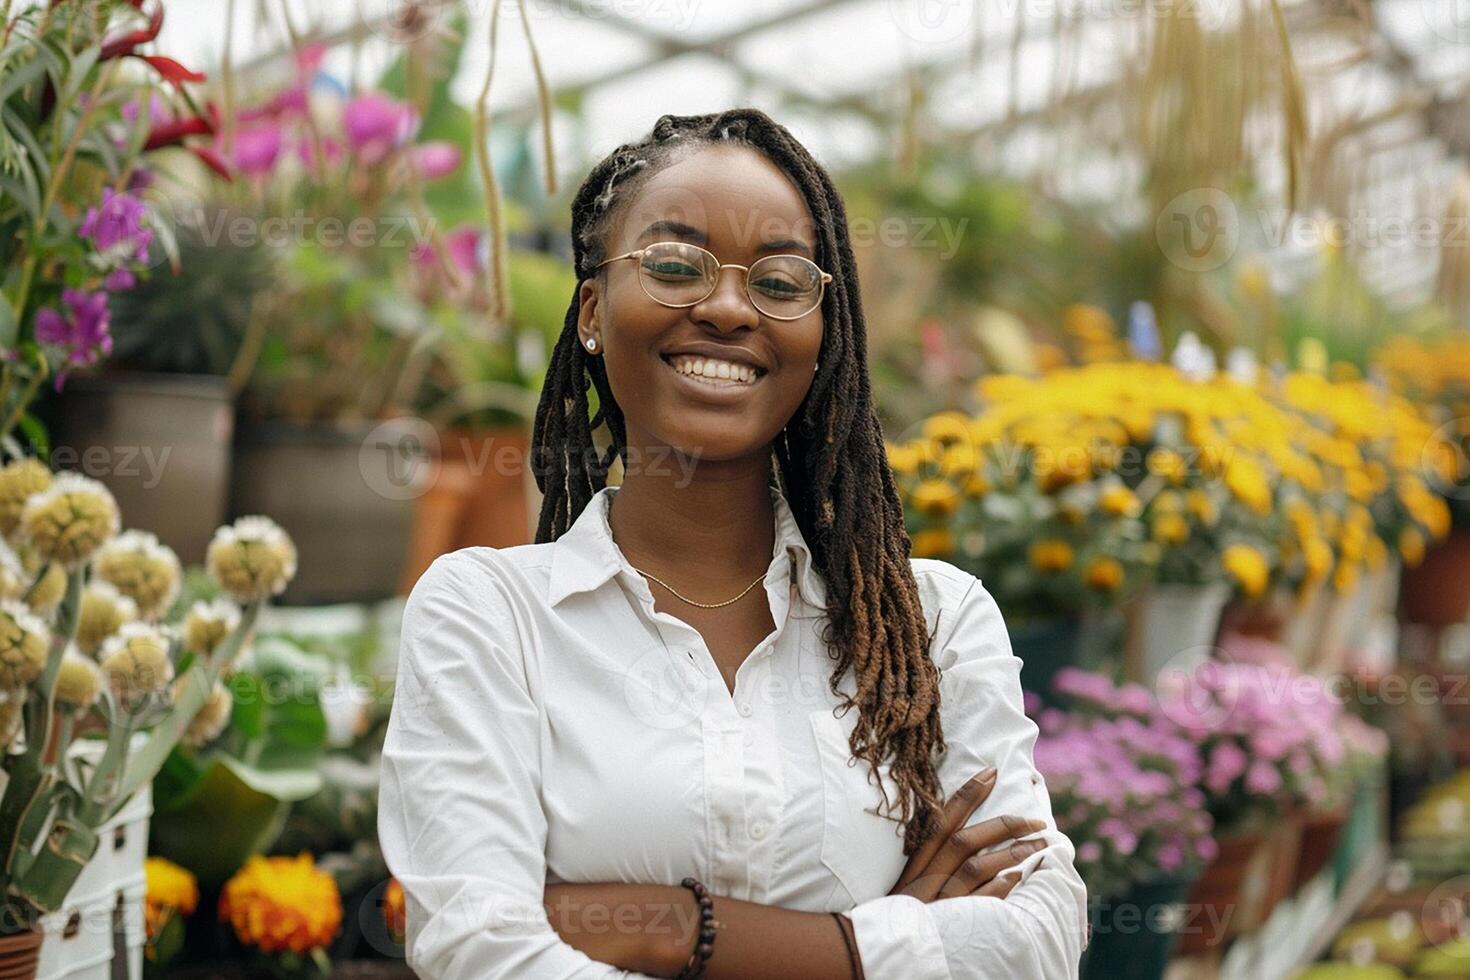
(832, 468)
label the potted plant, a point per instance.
(101, 683)
(1123, 782)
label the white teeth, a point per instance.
(708, 368)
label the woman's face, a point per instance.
(737, 204)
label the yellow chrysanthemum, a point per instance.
(25, 642)
(1411, 546)
(103, 612)
(1104, 574)
(278, 904)
(171, 890)
(1248, 567)
(68, 521)
(1168, 464)
(1051, 555)
(252, 559)
(136, 663)
(1202, 506)
(1170, 528)
(18, 480)
(1317, 558)
(1345, 576)
(904, 459)
(936, 497)
(1118, 501)
(1248, 483)
(78, 681)
(142, 568)
(933, 542)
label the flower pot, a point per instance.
(1045, 646)
(1436, 592)
(160, 443)
(1174, 619)
(345, 492)
(1304, 626)
(479, 495)
(1134, 935)
(1285, 842)
(19, 954)
(1364, 829)
(1321, 832)
(1223, 900)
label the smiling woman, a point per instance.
(589, 776)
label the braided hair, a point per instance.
(830, 460)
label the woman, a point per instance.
(613, 753)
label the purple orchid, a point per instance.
(83, 332)
(117, 227)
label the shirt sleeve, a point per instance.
(1038, 931)
(459, 818)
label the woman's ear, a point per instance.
(589, 330)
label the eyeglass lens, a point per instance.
(682, 275)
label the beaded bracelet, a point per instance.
(706, 944)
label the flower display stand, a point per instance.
(103, 915)
(1224, 899)
(1045, 646)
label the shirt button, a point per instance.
(758, 829)
(745, 711)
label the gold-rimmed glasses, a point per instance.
(678, 274)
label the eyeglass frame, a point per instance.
(720, 267)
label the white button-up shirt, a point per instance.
(550, 726)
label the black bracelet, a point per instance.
(852, 961)
(706, 942)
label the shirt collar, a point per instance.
(585, 556)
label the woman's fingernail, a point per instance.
(987, 775)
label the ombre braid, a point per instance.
(830, 461)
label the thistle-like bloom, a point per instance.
(69, 520)
(25, 641)
(78, 682)
(135, 662)
(212, 717)
(103, 612)
(252, 559)
(282, 903)
(18, 480)
(143, 569)
(207, 624)
(50, 592)
(14, 580)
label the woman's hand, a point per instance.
(955, 861)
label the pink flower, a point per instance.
(257, 148)
(376, 125)
(84, 330)
(1262, 778)
(434, 160)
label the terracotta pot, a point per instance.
(1436, 592)
(1285, 845)
(1320, 834)
(1223, 901)
(20, 952)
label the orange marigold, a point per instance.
(282, 903)
(394, 911)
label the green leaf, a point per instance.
(249, 711)
(81, 66)
(277, 659)
(287, 784)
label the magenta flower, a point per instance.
(257, 148)
(434, 160)
(469, 249)
(306, 150)
(116, 227)
(83, 332)
(376, 125)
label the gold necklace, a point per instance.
(702, 605)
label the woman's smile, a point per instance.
(713, 378)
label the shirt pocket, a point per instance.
(862, 850)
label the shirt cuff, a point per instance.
(897, 937)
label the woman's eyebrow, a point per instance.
(672, 227)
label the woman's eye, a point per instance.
(673, 269)
(781, 288)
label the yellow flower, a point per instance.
(25, 642)
(136, 663)
(976, 485)
(1377, 553)
(1345, 576)
(170, 889)
(1317, 556)
(281, 903)
(1167, 464)
(1118, 501)
(50, 591)
(1202, 506)
(1411, 546)
(18, 480)
(252, 559)
(142, 568)
(69, 520)
(933, 542)
(78, 681)
(1104, 574)
(394, 909)
(1248, 567)
(1170, 528)
(103, 611)
(903, 460)
(1248, 483)
(1051, 555)
(936, 497)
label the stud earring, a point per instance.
(592, 343)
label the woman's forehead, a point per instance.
(731, 195)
